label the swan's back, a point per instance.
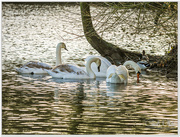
(34, 64)
(70, 71)
(122, 70)
(34, 67)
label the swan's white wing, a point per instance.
(110, 70)
(103, 68)
(34, 68)
(124, 71)
(111, 75)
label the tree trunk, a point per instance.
(110, 51)
(118, 55)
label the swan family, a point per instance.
(34, 67)
(67, 71)
(95, 66)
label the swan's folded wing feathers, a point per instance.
(66, 68)
(111, 69)
(33, 64)
(122, 70)
(111, 75)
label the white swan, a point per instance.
(104, 65)
(117, 74)
(34, 67)
(67, 71)
(120, 74)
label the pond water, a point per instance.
(40, 104)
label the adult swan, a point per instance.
(120, 74)
(34, 67)
(105, 64)
(67, 71)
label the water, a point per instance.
(40, 104)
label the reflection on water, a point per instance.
(43, 105)
(40, 104)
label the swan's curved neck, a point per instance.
(58, 55)
(132, 63)
(91, 74)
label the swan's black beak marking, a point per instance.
(99, 68)
(65, 49)
(139, 72)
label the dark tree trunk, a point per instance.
(118, 55)
(112, 52)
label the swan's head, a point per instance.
(138, 72)
(135, 66)
(98, 63)
(62, 45)
(137, 69)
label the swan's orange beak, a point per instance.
(138, 77)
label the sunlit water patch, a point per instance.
(40, 104)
